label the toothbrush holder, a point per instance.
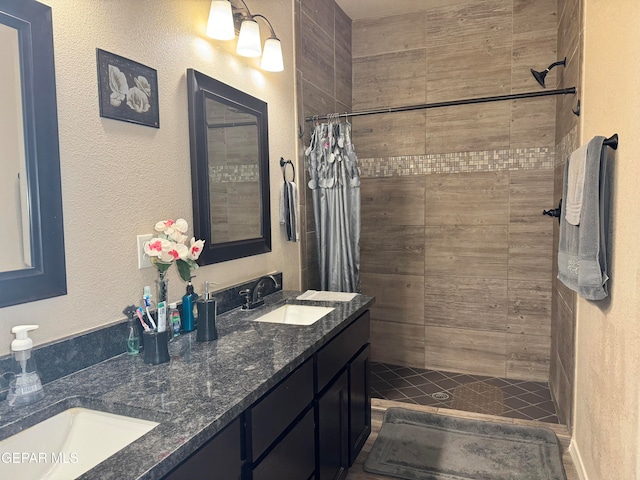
(156, 347)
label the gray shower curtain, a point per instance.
(335, 185)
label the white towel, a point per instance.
(575, 185)
(323, 296)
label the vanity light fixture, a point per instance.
(220, 24)
(249, 41)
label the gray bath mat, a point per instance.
(424, 446)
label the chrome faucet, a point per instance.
(253, 296)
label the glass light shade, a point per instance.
(249, 39)
(272, 56)
(220, 25)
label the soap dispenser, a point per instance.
(25, 386)
(207, 310)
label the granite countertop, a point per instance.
(202, 389)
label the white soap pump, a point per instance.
(25, 386)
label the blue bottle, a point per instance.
(189, 312)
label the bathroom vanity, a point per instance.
(264, 401)
(321, 412)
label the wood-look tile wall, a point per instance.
(323, 85)
(460, 263)
(563, 325)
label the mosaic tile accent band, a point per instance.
(567, 145)
(234, 173)
(539, 158)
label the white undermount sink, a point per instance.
(68, 444)
(295, 314)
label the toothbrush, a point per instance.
(144, 325)
(147, 304)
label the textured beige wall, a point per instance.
(118, 178)
(606, 432)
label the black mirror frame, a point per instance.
(47, 278)
(200, 87)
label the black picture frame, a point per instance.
(128, 91)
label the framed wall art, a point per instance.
(128, 90)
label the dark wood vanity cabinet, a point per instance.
(333, 430)
(218, 459)
(312, 425)
(359, 402)
(280, 430)
(343, 399)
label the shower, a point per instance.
(540, 76)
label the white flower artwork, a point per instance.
(137, 97)
(128, 90)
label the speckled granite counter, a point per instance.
(201, 390)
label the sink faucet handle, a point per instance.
(246, 293)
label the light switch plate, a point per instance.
(143, 259)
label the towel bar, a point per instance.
(612, 141)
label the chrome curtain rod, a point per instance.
(467, 101)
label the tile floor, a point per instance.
(472, 393)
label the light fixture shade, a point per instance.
(272, 56)
(220, 25)
(249, 39)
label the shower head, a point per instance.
(540, 76)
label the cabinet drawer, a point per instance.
(219, 458)
(334, 356)
(294, 457)
(268, 418)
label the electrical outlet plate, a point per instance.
(143, 259)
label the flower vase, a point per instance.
(162, 287)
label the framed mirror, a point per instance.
(32, 263)
(228, 133)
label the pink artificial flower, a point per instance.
(156, 246)
(173, 251)
(196, 248)
(173, 229)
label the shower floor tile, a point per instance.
(474, 393)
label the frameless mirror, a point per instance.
(15, 243)
(229, 170)
(32, 264)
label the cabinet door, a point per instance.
(359, 402)
(333, 430)
(218, 459)
(272, 414)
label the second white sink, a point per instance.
(295, 314)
